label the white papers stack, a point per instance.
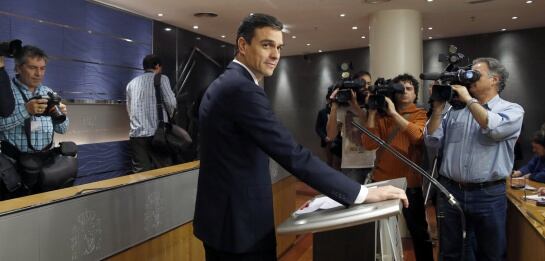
(317, 203)
(535, 197)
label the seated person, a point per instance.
(535, 169)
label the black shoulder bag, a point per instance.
(168, 135)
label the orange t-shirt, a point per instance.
(408, 142)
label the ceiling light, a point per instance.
(293, 37)
(168, 29)
(429, 37)
(363, 36)
(319, 51)
(529, 1)
(429, 1)
(160, 14)
(430, 28)
(354, 28)
(223, 36)
(503, 29)
(342, 15)
(195, 27)
(515, 17)
(308, 44)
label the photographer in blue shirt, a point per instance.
(477, 143)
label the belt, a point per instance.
(472, 186)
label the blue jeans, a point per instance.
(485, 211)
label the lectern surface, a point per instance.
(340, 217)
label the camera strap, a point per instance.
(27, 123)
(159, 99)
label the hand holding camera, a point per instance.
(48, 105)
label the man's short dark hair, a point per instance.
(247, 28)
(150, 61)
(495, 68)
(30, 51)
(360, 74)
(408, 78)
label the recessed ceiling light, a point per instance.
(529, 1)
(223, 36)
(363, 36)
(251, 13)
(319, 51)
(430, 28)
(160, 14)
(503, 29)
(308, 44)
(429, 1)
(429, 37)
(168, 29)
(515, 17)
(342, 15)
(354, 28)
(195, 27)
(293, 37)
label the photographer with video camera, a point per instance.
(477, 142)
(27, 134)
(401, 125)
(356, 162)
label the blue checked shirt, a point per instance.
(473, 154)
(142, 106)
(12, 127)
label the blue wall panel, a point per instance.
(83, 65)
(103, 160)
(47, 37)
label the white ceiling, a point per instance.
(318, 22)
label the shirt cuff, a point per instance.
(362, 195)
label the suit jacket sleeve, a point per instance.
(252, 112)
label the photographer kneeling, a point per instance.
(401, 124)
(27, 134)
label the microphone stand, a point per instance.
(450, 198)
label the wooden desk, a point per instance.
(145, 216)
(525, 226)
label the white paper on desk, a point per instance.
(318, 203)
(535, 197)
(528, 187)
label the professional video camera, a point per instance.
(11, 48)
(452, 75)
(380, 90)
(346, 85)
(53, 110)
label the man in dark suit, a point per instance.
(234, 208)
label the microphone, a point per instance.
(430, 76)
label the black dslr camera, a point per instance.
(452, 75)
(11, 48)
(380, 90)
(52, 110)
(346, 85)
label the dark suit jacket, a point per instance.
(238, 129)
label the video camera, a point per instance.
(380, 90)
(346, 85)
(11, 48)
(452, 75)
(52, 110)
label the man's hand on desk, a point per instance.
(385, 193)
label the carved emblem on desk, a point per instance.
(152, 213)
(86, 234)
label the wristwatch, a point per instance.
(471, 101)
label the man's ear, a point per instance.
(242, 45)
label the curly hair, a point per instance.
(408, 78)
